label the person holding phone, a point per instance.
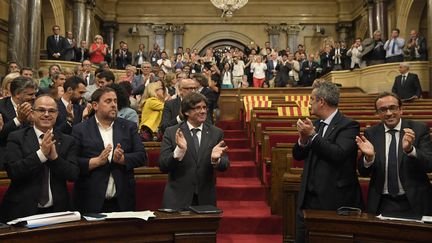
(190, 153)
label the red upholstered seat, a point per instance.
(364, 185)
(149, 193)
(153, 157)
(3, 189)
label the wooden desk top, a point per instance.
(166, 227)
(363, 228)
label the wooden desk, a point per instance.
(327, 226)
(164, 228)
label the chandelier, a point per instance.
(228, 6)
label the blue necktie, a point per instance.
(392, 175)
(393, 46)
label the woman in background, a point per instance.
(151, 115)
(97, 50)
(123, 104)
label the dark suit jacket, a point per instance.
(170, 112)
(90, 188)
(79, 54)
(308, 72)
(26, 171)
(137, 55)
(61, 124)
(122, 60)
(422, 50)
(343, 57)
(412, 171)
(211, 99)
(270, 68)
(332, 161)
(194, 173)
(8, 112)
(410, 87)
(53, 47)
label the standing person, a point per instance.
(329, 150)
(82, 52)
(171, 112)
(238, 71)
(164, 62)
(98, 50)
(309, 70)
(152, 108)
(326, 60)
(407, 84)
(397, 154)
(39, 162)
(122, 56)
(394, 47)
(190, 153)
(70, 45)
(109, 150)
(258, 69)
(140, 56)
(154, 54)
(338, 56)
(86, 72)
(283, 69)
(373, 51)
(355, 52)
(56, 45)
(417, 47)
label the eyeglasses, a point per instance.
(43, 111)
(189, 88)
(392, 109)
(200, 108)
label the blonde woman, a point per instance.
(97, 50)
(151, 115)
(6, 84)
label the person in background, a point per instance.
(394, 47)
(171, 83)
(140, 56)
(122, 56)
(309, 68)
(123, 104)
(355, 52)
(7, 82)
(98, 50)
(26, 72)
(56, 44)
(44, 83)
(152, 109)
(258, 69)
(373, 51)
(407, 85)
(82, 52)
(130, 74)
(227, 77)
(238, 71)
(417, 47)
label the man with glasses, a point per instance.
(39, 162)
(171, 112)
(141, 81)
(190, 153)
(397, 154)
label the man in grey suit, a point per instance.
(190, 152)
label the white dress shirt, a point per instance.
(107, 137)
(44, 159)
(180, 153)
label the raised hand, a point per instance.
(180, 139)
(1, 122)
(86, 111)
(47, 143)
(408, 140)
(305, 129)
(365, 147)
(23, 112)
(70, 113)
(101, 159)
(118, 155)
(218, 151)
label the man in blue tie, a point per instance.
(394, 47)
(397, 154)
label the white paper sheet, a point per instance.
(145, 215)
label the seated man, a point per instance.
(109, 149)
(39, 162)
(407, 85)
(190, 152)
(397, 154)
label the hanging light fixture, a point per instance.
(228, 6)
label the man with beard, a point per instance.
(69, 107)
(109, 150)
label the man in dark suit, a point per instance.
(329, 150)
(109, 149)
(123, 56)
(309, 69)
(271, 66)
(202, 88)
(82, 52)
(190, 153)
(39, 162)
(397, 154)
(171, 112)
(16, 110)
(407, 85)
(338, 56)
(417, 47)
(70, 110)
(56, 45)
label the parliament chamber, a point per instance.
(259, 192)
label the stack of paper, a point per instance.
(145, 215)
(46, 219)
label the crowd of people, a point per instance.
(82, 125)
